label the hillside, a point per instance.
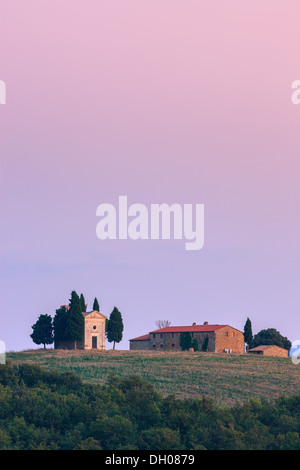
(227, 379)
(51, 410)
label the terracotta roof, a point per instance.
(183, 329)
(191, 329)
(92, 311)
(140, 338)
(263, 347)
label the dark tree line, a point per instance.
(68, 324)
(264, 337)
(50, 410)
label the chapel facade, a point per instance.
(93, 336)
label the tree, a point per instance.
(185, 341)
(248, 336)
(163, 323)
(60, 325)
(113, 431)
(270, 336)
(156, 438)
(114, 327)
(195, 344)
(96, 305)
(75, 320)
(82, 303)
(205, 344)
(43, 330)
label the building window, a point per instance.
(173, 335)
(153, 335)
(226, 333)
(161, 345)
(154, 345)
(161, 335)
(94, 327)
(173, 345)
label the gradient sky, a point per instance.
(162, 101)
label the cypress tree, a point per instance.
(248, 336)
(75, 321)
(114, 327)
(60, 325)
(185, 341)
(205, 344)
(96, 305)
(82, 303)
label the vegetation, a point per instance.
(185, 341)
(96, 305)
(205, 344)
(248, 336)
(75, 320)
(163, 324)
(43, 331)
(114, 327)
(42, 409)
(82, 303)
(226, 378)
(271, 336)
(67, 324)
(60, 325)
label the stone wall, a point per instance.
(271, 351)
(222, 340)
(139, 345)
(171, 341)
(276, 351)
(229, 338)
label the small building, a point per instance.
(269, 350)
(94, 330)
(94, 333)
(221, 338)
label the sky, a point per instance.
(164, 102)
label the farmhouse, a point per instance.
(269, 350)
(140, 343)
(94, 333)
(221, 338)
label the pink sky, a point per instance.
(162, 101)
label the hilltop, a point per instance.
(227, 379)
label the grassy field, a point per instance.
(225, 378)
